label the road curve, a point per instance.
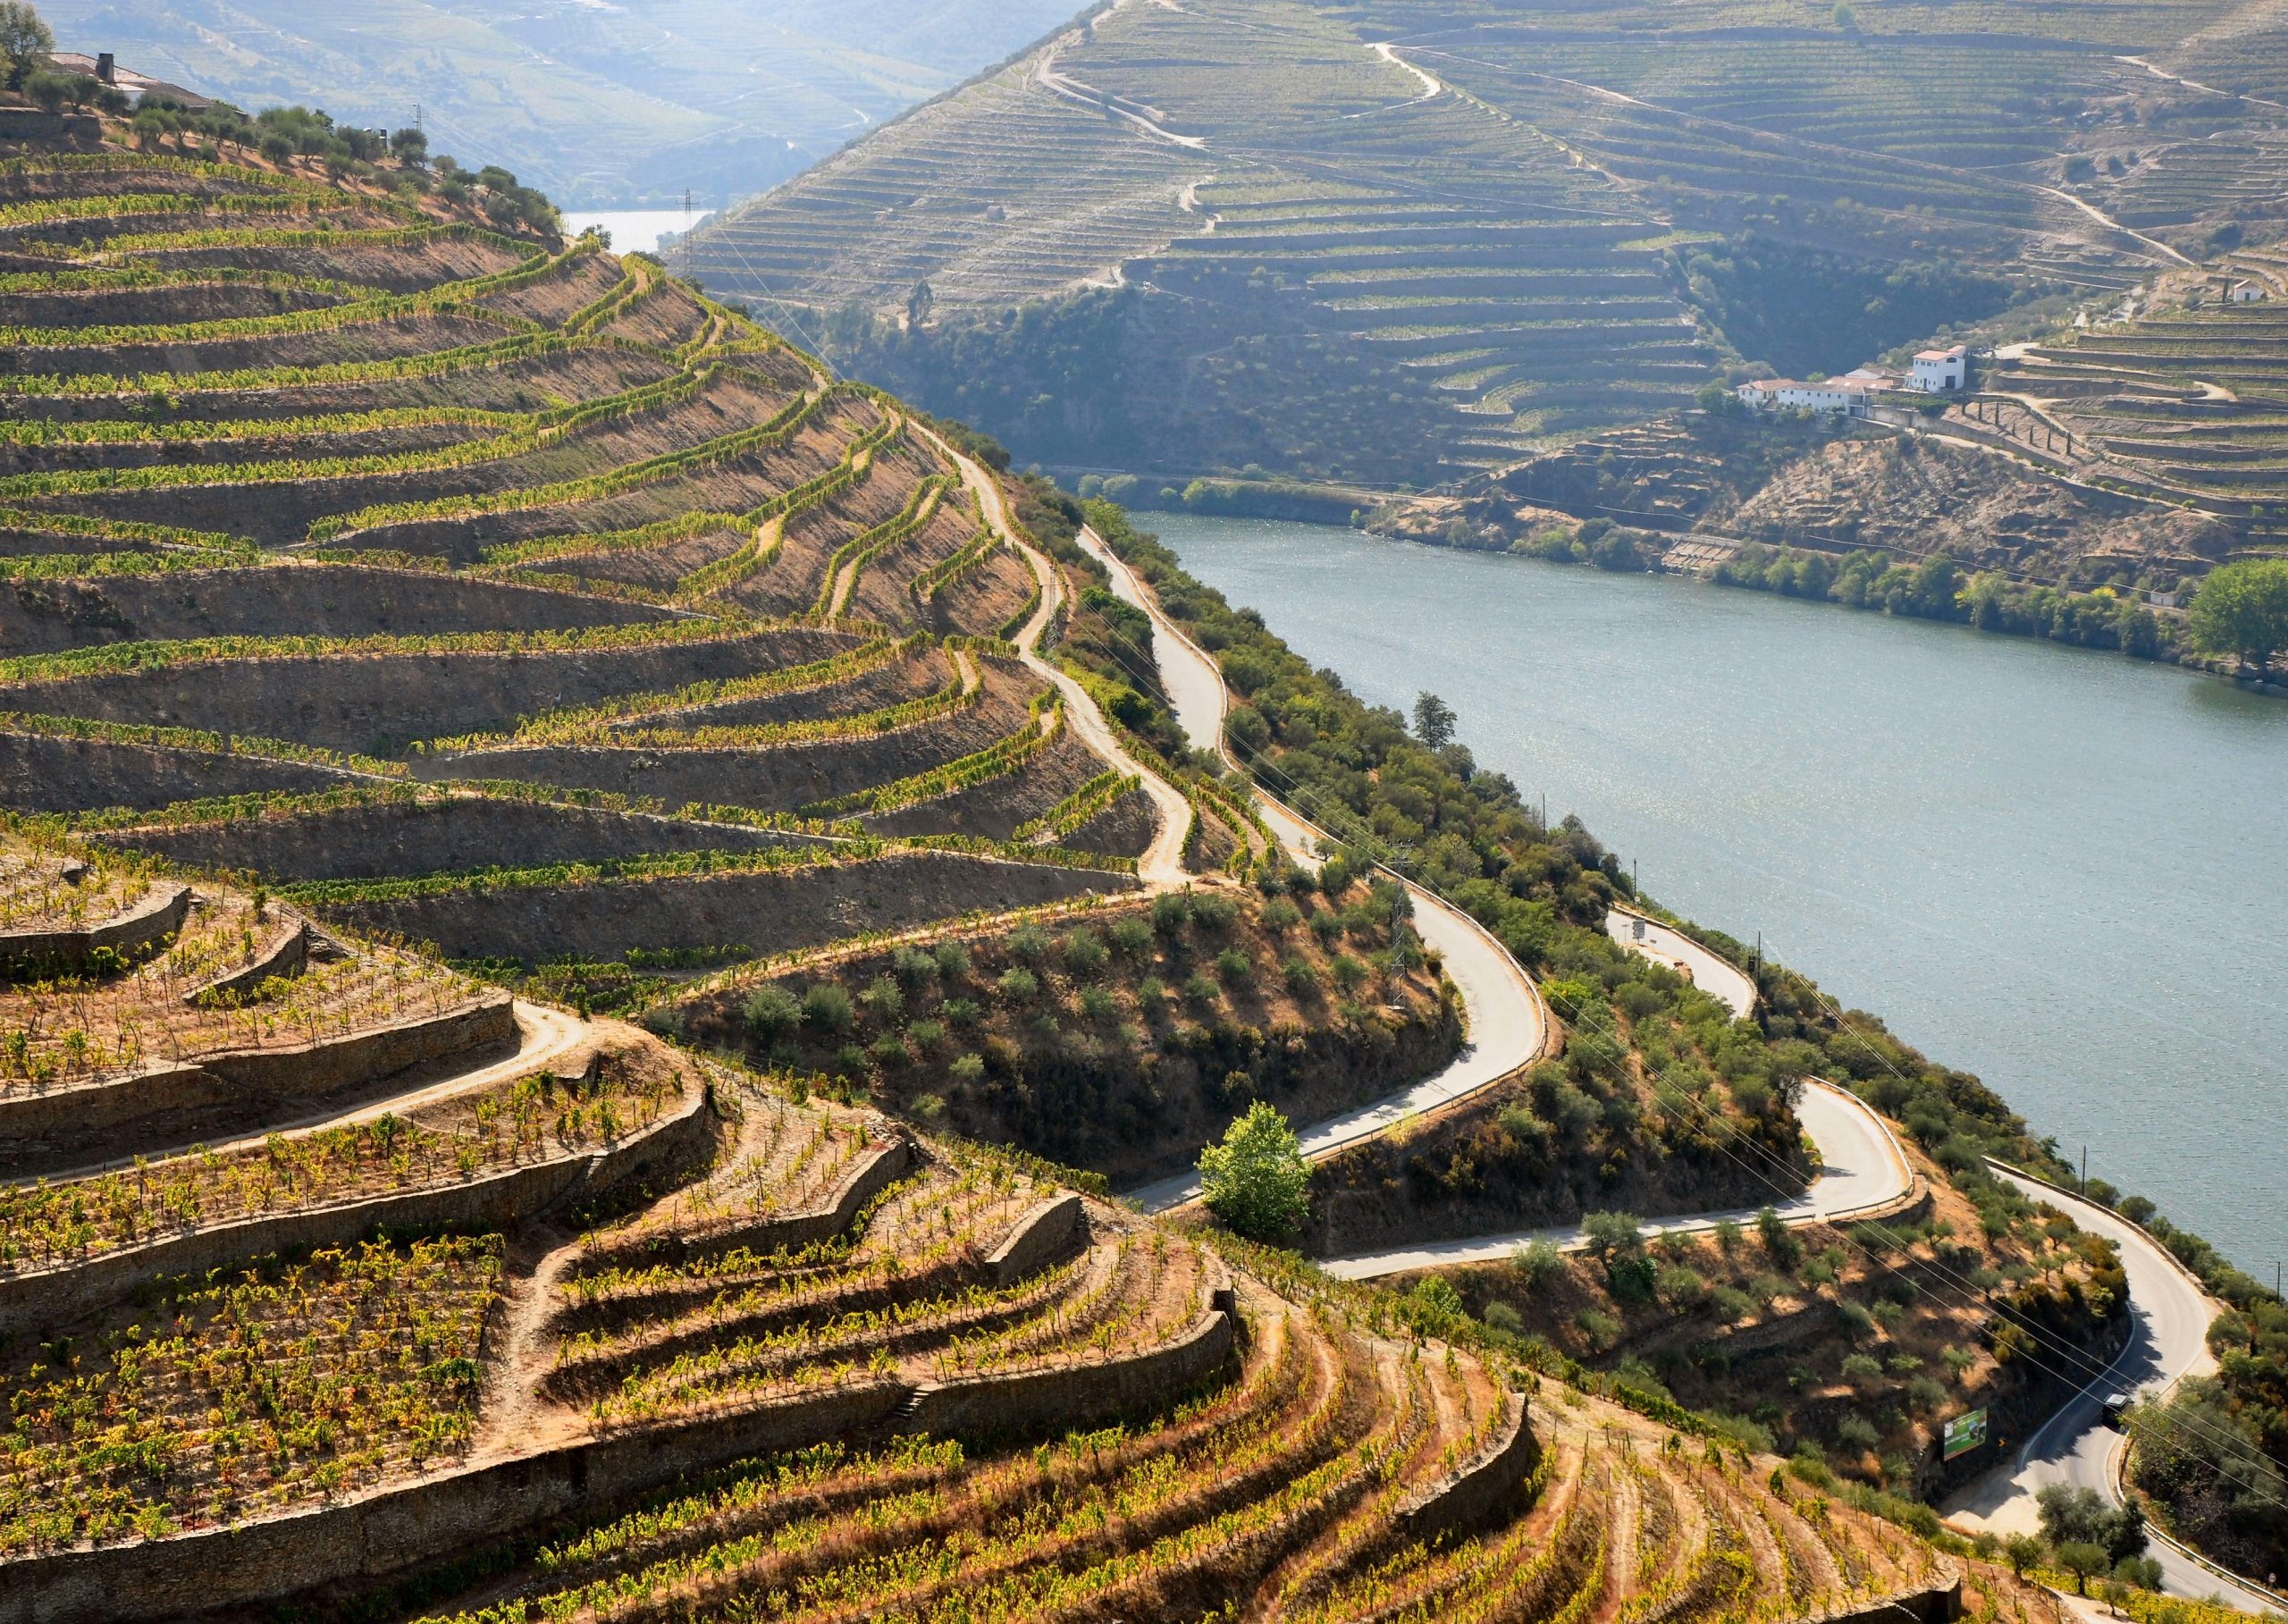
(1507, 1024)
(2169, 1316)
(1862, 1169)
(1720, 979)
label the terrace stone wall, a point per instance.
(55, 1296)
(250, 1077)
(151, 919)
(1049, 1233)
(391, 1529)
(1473, 1494)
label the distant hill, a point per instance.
(1396, 240)
(599, 104)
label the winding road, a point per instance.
(1508, 1024)
(1863, 1171)
(2168, 1341)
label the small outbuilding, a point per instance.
(1938, 372)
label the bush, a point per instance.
(1099, 1004)
(1301, 976)
(967, 1069)
(1234, 967)
(1256, 1180)
(1029, 943)
(1501, 1317)
(914, 968)
(1200, 991)
(926, 1035)
(1860, 1369)
(1018, 984)
(1856, 1434)
(1730, 1304)
(953, 960)
(1083, 952)
(884, 1000)
(1171, 913)
(1603, 1330)
(1130, 937)
(771, 1012)
(960, 1012)
(827, 1008)
(1537, 1260)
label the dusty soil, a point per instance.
(55, 775)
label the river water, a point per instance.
(2062, 870)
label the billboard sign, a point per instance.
(1964, 1434)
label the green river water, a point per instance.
(2063, 869)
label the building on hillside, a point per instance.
(105, 68)
(1939, 371)
(1876, 378)
(2245, 292)
(1842, 395)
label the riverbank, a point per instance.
(1965, 832)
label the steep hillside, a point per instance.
(1381, 241)
(601, 106)
(496, 592)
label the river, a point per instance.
(2062, 870)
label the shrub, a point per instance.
(1130, 937)
(1200, 991)
(1730, 1304)
(967, 1069)
(1099, 1004)
(1301, 976)
(1727, 1236)
(1151, 994)
(1501, 1317)
(889, 1050)
(1610, 1234)
(1537, 1260)
(1256, 1180)
(1171, 913)
(849, 1060)
(1857, 1322)
(1603, 1330)
(960, 1012)
(927, 1108)
(1234, 967)
(953, 960)
(1018, 984)
(1213, 912)
(1680, 1288)
(1280, 916)
(1349, 973)
(827, 1008)
(884, 1000)
(771, 1012)
(1856, 1434)
(1083, 952)
(1860, 1370)
(1029, 943)
(926, 1035)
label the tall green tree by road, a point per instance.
(2242, 610)
(1256, 1180)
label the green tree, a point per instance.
(2084, 1561)
(1433, 720)
(25, 41)
(772, 1013)
(1610, 1233)
(1257, 1181)
(919, 304)
(2023, 1551)
(2242, 610)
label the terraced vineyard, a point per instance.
(497, 592)
(698, 1344)
(1384, 240)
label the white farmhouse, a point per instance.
(1939, 371)
(1845, 395)
(2245, 293)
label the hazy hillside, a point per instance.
(599, 103)
(1389, 240)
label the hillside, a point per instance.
(1381, 242)
(601, 107)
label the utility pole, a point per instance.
(2085, 1170)
(416, 118)
(1755, 961)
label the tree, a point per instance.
(2242, 610)
(2085, 1561)
(2021, 1552)
(1608, 1233)
(25, 41)
(918, 305)
(411, 145)
(1257, 1181)
(1433, 720)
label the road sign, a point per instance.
(1964, 1434)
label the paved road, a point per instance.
(2168, 1342)
(1861, 1167)
(1720, 978)
(1507, 1024)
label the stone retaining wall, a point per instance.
(1939, 1603)
(155, 917)
(1050, 1231)
(872, 1174)
(391, 1529)
(56, 1296)
(284, 956)
(1074, 1394)
(257, 1076)
(1470, 1496)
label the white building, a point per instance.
(1780, 394)
(1937, 371)
(2245, 293)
